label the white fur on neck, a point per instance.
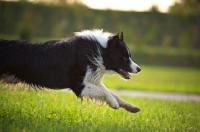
(101, 36)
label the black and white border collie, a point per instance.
(78, 62)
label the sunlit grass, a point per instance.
(157, 78)
(23, 110)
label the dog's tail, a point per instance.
(2, 43)
(6, 57)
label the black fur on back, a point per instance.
(55, 64)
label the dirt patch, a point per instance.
(158, 95)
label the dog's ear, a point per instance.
(122, 36)
(115, 37)
(113, 40)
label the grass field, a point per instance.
(55, 111)
(156, 78)
(46, 111)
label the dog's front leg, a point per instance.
(100, 92)
(127, 106)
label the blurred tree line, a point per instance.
(152, 28)
(180, 28)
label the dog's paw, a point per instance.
(114, 105)
(134, 109)
(112, 102)
(131, 108)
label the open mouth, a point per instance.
(124, 73)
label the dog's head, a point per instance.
(117, 57)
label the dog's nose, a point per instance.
(138, 69)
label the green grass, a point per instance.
(157, 78)
(48, 111)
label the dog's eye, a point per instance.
(125, 59)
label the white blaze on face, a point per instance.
(134, 66)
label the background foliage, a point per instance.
(154, 37)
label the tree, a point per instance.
(186, 7)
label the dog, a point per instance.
(77, 62)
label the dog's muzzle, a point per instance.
(134, 67)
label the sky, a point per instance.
(124, 5)
(130, 5)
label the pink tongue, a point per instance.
(126, 74)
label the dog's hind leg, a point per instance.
(100, 92)
(127, 106)
(7, 78)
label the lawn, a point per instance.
(157, 78)
(48, 111)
